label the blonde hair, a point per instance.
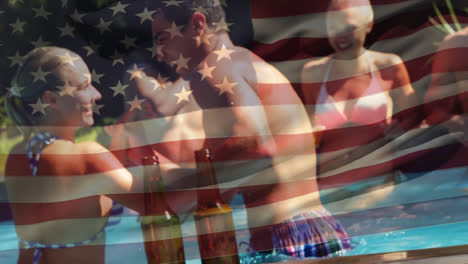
(363, 7)
(17, 102)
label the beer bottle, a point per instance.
(213, 217)
(160, 225)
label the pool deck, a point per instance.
(456, 254)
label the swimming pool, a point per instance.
(425, 211)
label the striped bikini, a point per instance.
(33, 150)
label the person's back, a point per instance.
(56, 186)
(47, 212)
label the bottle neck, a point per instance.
(208, 198)
(156, 202)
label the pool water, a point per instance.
(425, 211)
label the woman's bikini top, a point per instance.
(371, 107)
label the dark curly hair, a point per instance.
(183, 11)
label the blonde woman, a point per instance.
(353, 95)
(55, 185)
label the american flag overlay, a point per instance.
(331, 124)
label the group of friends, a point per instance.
(264, 135)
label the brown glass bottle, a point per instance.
(213, 217)
(160, 225)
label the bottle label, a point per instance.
(217, 237)
(163, 242)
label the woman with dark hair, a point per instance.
(56, 186)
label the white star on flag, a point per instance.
(153, 49)
(223, 53)
(172, 3)
(119, 89)
(145, 15)
(206, 71)
(117, 58)
(135, 103)
(183, 95)
(88, 76)
(18, 26)
(200, 9)
(182, 62)
(226, 86)
(118, 8)
(41, 12)
(206, 39)
(66, 89)
(95, 77)
(222, 25)
(38, 107)
(128, 42)
(15, 89)
(40, 75)
(77, 17)
(66, 30)
(40, 43)
(174, 30)
(103, 26)
(89, 50)
(162, 81)
(155, 83)
(97, 108)
(64, 3)
(159, 50)
(16, 60)
(94, 46)
(135, 72)
(67, 58)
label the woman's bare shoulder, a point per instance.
(79, 151)
(313, 70)
(98, 157)
(316, 63)
(91, 147)
(384, 60)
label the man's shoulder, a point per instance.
(244, 64)
(264, 71)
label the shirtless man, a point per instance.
(252, 118)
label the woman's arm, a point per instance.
(404, 98)
(112, 178)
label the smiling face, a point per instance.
(173, 41)
(347, 28)
(76, 105)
